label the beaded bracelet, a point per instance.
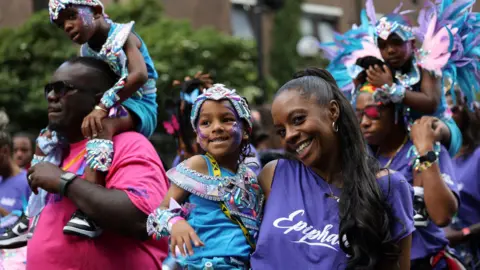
(99, 154)
(110, 97)
(396, 92)
(422, 166)
(161, 221)
(158, 222)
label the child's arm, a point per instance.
(137, 69)
(428, 99)
(182, 235)
(137, 76)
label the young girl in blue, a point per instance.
(223, 201)
(129, 105)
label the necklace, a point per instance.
(333, 196)
(396, 152)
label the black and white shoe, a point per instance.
(15, 236)
(80, 225)
(33, 225)
(420, 218)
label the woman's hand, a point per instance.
(423, 134)
(182, 236)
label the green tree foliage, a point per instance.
(284, 60)
(30, 54)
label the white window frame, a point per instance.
(322, 10)
(244, 2)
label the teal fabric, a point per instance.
(145, 108)
(455, 137)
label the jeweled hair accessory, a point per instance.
(394, 23)
(56, 6)
(220, 92)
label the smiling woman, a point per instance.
(327, 208)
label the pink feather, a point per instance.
(435, 47)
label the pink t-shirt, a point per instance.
(136, 170)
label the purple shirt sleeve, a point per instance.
(399, 195)
(447, 171)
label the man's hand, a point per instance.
(378, 77)
(92, 124)
(45, 175)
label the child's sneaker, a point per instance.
(15, 236)
(80, 225)
(32, 226)
(421, 215)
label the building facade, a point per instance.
(321, 18)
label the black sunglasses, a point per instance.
(61, 88)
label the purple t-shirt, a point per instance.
(14, 191)
(301, 221)
(431, 239)
(467, 171)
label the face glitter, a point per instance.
(86, 15)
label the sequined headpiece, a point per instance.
(220, 92)
(394, 23)
(56, 6)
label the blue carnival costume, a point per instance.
(225, 207)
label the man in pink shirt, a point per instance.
(135, 185)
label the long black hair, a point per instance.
(365, 218)
(367, 62)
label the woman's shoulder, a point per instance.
(391, 181)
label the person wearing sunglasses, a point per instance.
(464, 232)
(423, 161)
(135, 185)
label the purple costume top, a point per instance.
(300, 228)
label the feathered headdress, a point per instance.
(344, 51)
(463, 66)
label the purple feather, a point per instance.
(370, 8)
(457, 8)
(405, 12)
(463, 62)
(397, 9)
(424, 17)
